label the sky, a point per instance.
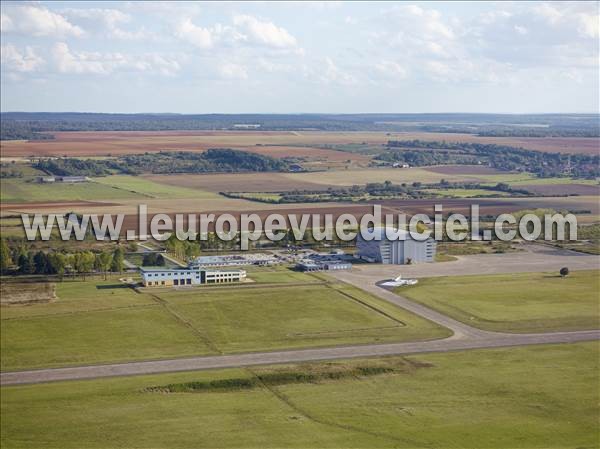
(288, 57)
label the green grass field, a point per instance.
(19, 190)
(152, 189)
(525, 302)
(530, 397)
(103, 321)
(278, 274)
(269, 318)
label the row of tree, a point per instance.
(21, 261)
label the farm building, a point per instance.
(163, 277)
(404, 250)
(65, 179)
(73, 179)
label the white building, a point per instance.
(402, 251)
(175, 277)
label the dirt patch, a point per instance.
(84, 143)
(562, 189)
(22, 293)
(464, 170)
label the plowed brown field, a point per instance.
(86, 143)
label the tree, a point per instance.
(564, 271)
(104, 261)
(26, 263)
(83, 262)
(41, 263)
(56, 264)
(118, 260)
(153, 260)
(5, 256)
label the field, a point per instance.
(235, 182)
(146, 187)
(527, 302)
(18, 190)
(464, 170)
(104, 321)
(529, 397)
(113, 143)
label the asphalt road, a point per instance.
(464, 336)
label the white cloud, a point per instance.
(107, 22)
(14, 60)
(391, 69)
(330, 73)
(6, 23)
(39, 22)
(83, 62)
(263, 33)
(195, 35)
(71, 62)
(589, 25)
(231, 71)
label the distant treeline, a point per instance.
(502, 157)
(375, 190)
(213, 160)
(29, 125)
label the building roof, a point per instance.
(153, 269)
(380, 233)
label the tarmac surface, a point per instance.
(366, 277)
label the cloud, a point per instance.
(14, 60)
(589, 25)
(231, 71)
(96, 63)
(107, 22)
(38, 21)
(245, 32)
(390, 69)
(266, 33)
(195, 35)
(327, 72)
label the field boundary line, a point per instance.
(182, 320)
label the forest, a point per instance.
(501, 157)
(40, 125)
(212, 160)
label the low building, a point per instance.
(311, 265)
(47, 179)
(246, 126)
(176, 277)
(404, 250)
(73, 179)
(235, 260)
